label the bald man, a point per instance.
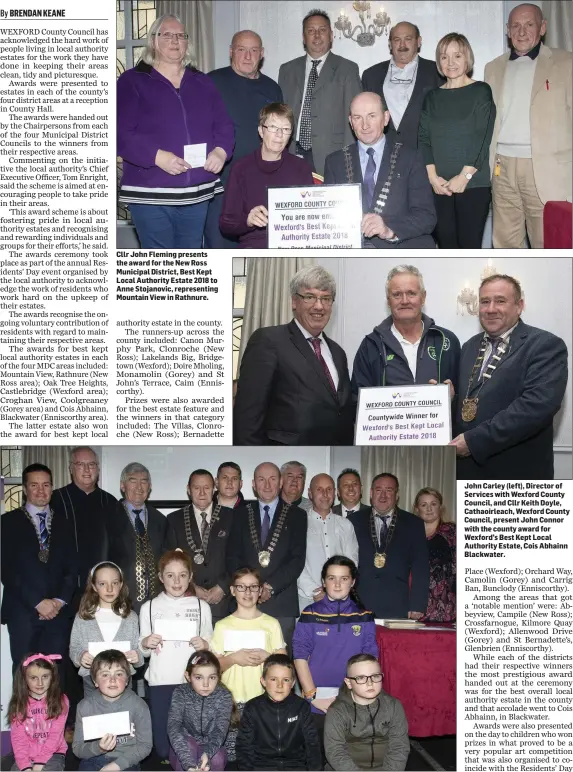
(269, 534)
(397, 200)
(245, 90)
(530, 151)
(327, 535)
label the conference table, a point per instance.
(419, 669)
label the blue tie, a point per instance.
(43, 530)
(369, 181)
(266, 525)
(138, 522)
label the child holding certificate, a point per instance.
(113, 726)
(201, 713)
(37, 714)
(173, 626)
(104, 617)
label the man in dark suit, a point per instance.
(393, 555)
(397, 204)
(512, 382)
(403, 81)
(349, 491)
(319, 87)
(294, 387)
(39, 572)
(202, 529)
(138, 534)
(270, 534)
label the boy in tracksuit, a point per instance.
(277, 731)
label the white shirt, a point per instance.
(398, 87)
(199, 519)
(410, 349)
(308, 68)
(324, 350)
(378, 523)
(333, 535)
(108, 622)
(378, 153)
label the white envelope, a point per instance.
(243, 639)
(95, 647)
(108, 723)
(326, 692)
(175, 629)
(195, 155)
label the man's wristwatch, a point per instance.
(468, 175)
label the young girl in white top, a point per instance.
(104, 616)
(169, 657)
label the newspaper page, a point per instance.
(132, 350)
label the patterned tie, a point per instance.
(369, 181)
(384, 530)
(266, 525)
(139, 527)
(44, 535)
(316, 346)
(494, 342)
(203, 524)
(305, 135)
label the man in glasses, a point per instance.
(365, 728)
(294, 387)
(403, 81)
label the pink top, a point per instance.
(36, 739)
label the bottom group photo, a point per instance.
(230, 608)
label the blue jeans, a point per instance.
(169, 227)
(97, 762)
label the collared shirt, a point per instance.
(308, 68)
(198, 518)
(272, 508)
(398, 87)
(345, 512)
(410, 349)
(487, 351)
(533, 54)
(378, 522)
(325, 537)
(324, 350)
(143, 514)
(378, 153)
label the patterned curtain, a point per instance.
(559, 15)
(55, 458)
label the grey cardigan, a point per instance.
(205, 719)
(86, 630)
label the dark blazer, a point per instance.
(386, 590)
(283, 394)
(214, 570)
(122, 544)
(409, 209)
(337, 508)
(287, 560)
(27, 580)
(427, 78)
(337, 85)
(511, 437)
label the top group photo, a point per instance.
(414, 126)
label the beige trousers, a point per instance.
(516, 206)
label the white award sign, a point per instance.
(315, 217)
(419, 414)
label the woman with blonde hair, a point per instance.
(456, 127)
(441, 536)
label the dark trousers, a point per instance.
(30, 635)
(213, 238)
(287, 626)
(159, 704)
(97, 762)
(462, 218)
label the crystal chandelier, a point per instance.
(366, 33)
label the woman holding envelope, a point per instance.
(174, 135)
(172, 626)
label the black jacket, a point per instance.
(287, 560)
(278, 735)
(380, 360)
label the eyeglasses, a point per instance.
(178, 36)
(375, 678)
(91, 465)
(409, 295)
(247, 587)
(276, 129)
(326, 300)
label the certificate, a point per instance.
(195, 155)
(96, 647)
(315, 217)
(326, 692)
(95, 727)
(175, 629)
(234, 640)
(404, 415)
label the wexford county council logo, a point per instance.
(312, 193)
(404, 394)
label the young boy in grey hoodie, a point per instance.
(110, 674)
(365, 728)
